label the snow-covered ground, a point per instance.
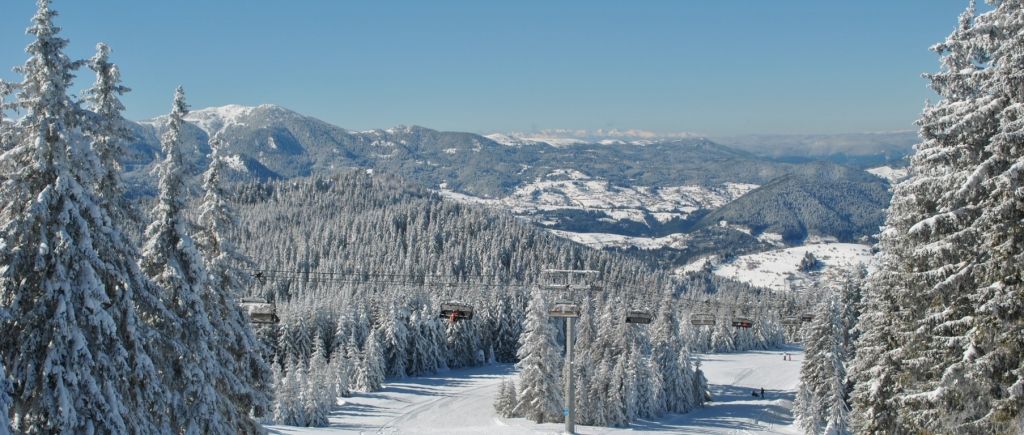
(568, 189)
(778, 269)
(460, 402)
(607, 240)
(893, 175)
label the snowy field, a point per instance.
(569, 189)
(460, 402)
(777, 269)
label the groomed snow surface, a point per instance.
(460, 402)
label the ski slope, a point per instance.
(459, 402)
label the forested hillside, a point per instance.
(832, 200)
(358, 265)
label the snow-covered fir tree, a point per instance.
(78, 354)
(7, 126)
(396, 344)
(821, 405)
(505, 401)
(340, 370)
(369, 374)
(172, 260)
(318, 394)
(244, 383)
(667, 349)
(107, 131)
(540, 364)
(940, 349)
(288, 406)
(5, 392)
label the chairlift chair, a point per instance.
(742, 321)
(702, 319)
(260, 311)
(564, 309)
(454, 311)
(791, 321)
(807, 317)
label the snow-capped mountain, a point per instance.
(628, 189)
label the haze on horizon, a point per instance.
(709, 68)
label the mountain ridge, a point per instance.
(269, 142)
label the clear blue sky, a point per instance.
(708, 66)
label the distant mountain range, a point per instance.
(708, 195)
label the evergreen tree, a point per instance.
(5, 398)
(666, 348)
(505, 402)
(244, 382)
(947, 332)
(8, 133)
(396, 342)
(370, 372)
(288, 402)
(170, 257)
(107, 131)
(616, 413)
(318, 397)
(722, 340)
(78, 353)
(540, 394)
(341, 370)
(821, 400)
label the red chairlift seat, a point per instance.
(454, 311)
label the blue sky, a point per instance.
(711, 67)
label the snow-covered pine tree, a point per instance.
(722, 340)
(540, 362)
(396, 341)
(171, 259)
(245, 381)
(700, 384)
(511, 398)
(5, 392)
(8, 132)
(990, 372)
(821, 399)
(288, 398)
(585, 334)
(502, 405)
(318, 394)
(370, 370)
(107, 130)
(78, 353)
(340, 370)
(665, 348)
(618, 396)
(948, 335)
